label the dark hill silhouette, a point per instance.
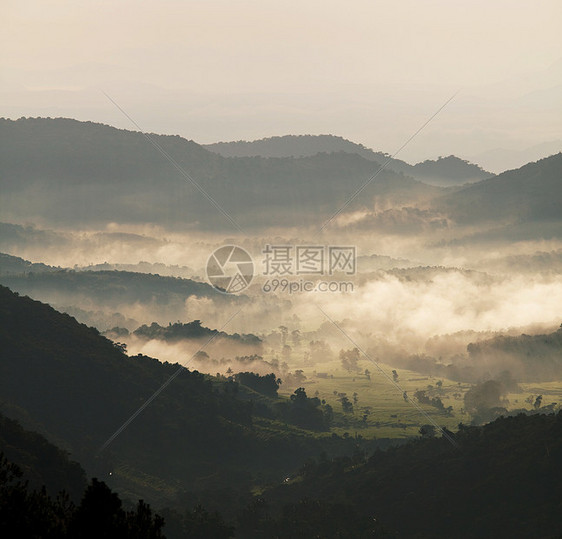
(105, 298)
(113, 288)
(30, 511)
(448, 171)
(15, 265)
(191, 330)
(68, 172)
(303, 146)
(77, 387)
(500, 480)
(532, 193)
(42, 463)
(445, 171)
(503, 480)
(535, 357)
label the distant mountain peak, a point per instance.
(449, 170)
(445, 171)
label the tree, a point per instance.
(436, 402)
(328, 413)
(484, 396)
(299, 395)
(266, 385)
(295, 379)
(349, 360)
(427, 431)
(30, 513)
(308, 412)
(122, 347)
(346, 404)
(100, 513)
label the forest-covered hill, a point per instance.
(445, 171)
(67, 381)
(532, 193)
(65, 171)
(500, 480)
(201, 440)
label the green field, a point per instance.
(380, 410)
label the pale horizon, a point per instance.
(372, 73)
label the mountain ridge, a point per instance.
(532, 192)
(77, 387)
(65, 171)
(444, 171)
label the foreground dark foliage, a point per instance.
(33, 513)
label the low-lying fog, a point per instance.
(413, 296)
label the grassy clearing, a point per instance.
(379, 408)
(381, 411)
(551, 393)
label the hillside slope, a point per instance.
(69, 172)
(42, 463)
(303, 146)
(445, 171)
(448, 171)
(108, 298)
(68, 382)
(503, 480)
(532, 193)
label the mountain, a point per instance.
(24, 237)
(105, 293)
(448, 171)
(96, 297)
(68, 172)
(156, 268)
(529, 357)
(191, 330)
(530, 194)
(445, 171)
(112, 287)
(549, 262)
(77, 388)
(201, 441)
(500, 480)
(14, 264)
(42, 463)
(43, 494)
(31, 241)
(289, 146)
(303, 146)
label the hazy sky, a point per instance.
(371, 71)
